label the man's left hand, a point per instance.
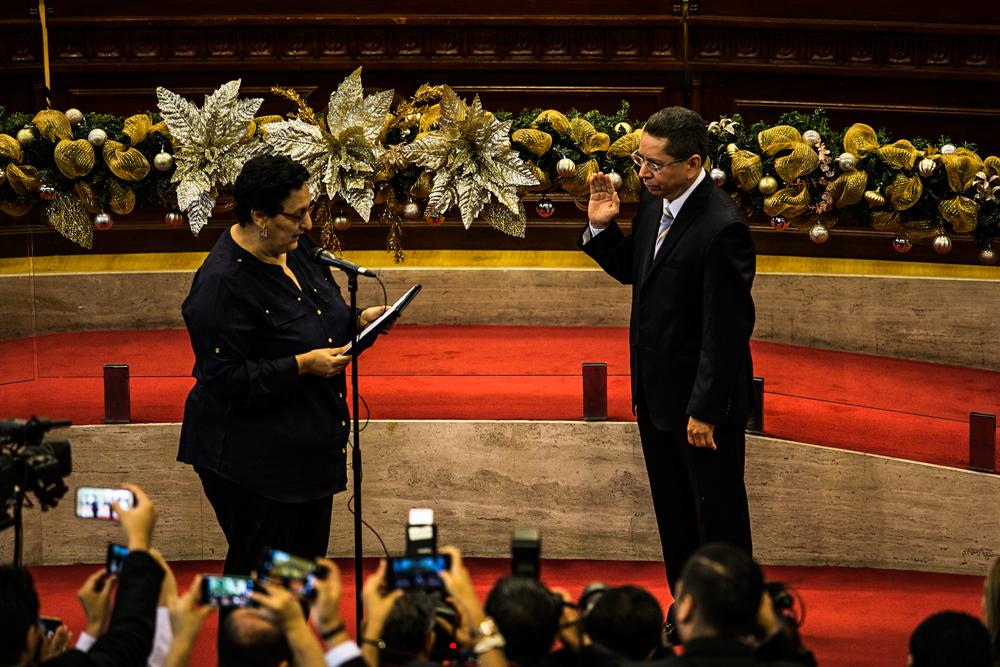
(700, 433)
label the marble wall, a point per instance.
(583, 484)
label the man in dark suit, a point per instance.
(691, 263)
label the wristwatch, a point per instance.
(488, 637)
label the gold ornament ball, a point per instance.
(811, 137)
(340, 222)
(779, 223)
(819, 233)
(616, 180)
(174, 219)
(75, 116)
(732, 148)
(545, 207)
(988, 256)
(411, 210)
(948, 149)
(926, 167)
(623, 128)
(565, 167)
(163, 161)
(902, 244)
(103, 221)
(25, 136)
(431, 220)
(97, 137)
(941, 243)
(846, 161)
(718, 177)
(874, 199)
(768, 186)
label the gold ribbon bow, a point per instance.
(556, 119)
(23, 178)
(578, 184)
(139, 126)
(53, 125)
(961, 167)
(860, 139)
(899, 155)
(126, 163)
(991, 165)
(87, 196)
(536, 142)
(74, 159)
(848, 188)
(747, 169)
(544, 182)
(790, 202)
(625, 145)
(961, 212)
(801, 161)
(10, 148)
(586, 135)
(904, 191)
(121, 198)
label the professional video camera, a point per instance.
(29, 462)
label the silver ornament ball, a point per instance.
(411, 210)
(174, 219)
(988, 256)
(545, 207)
(623, 128)
(340, 222)
(948, 149)
(616, 180)
(902, 244)
(75, 116)
(926, 167)
(97, 137)
(819, 233)
(941, 244)
(779, 223)
(25, 136)
(103, 221)
(163, 161)
(46, 192)
(718, 177)
(846, 161)
(811, 137)
(565, 167)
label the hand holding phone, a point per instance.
(115, 559)
(417, 572)
(95, 502)
(297, 574)
(226, 591)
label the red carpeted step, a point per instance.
(855, 617)
(865, 403)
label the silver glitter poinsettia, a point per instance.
(341, 157)
(472, 161)
(211, 145)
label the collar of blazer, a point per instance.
(692, 208)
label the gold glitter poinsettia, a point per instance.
(211, 145)
(342, 158)
(472, 161)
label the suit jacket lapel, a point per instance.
(645, 235)
(689, 213)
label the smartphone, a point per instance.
(95, 503)
(417, 572)
(297, 574)
(116, 558)
(50, 625)
(226, 591)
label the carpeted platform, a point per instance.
(854, 618)
(893, 407)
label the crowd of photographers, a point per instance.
(724, 614)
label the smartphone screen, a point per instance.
(420, 572)
(116, 558)
(95, 503)
(224, 591)
(49, 624)
(293, 572)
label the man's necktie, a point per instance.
(665, 221)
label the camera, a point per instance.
(29, 462)
(421, 533)
(526, 553)
(787, 604)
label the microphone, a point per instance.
(324, 257)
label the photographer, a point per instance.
(528, 615)
(629, 621)
(129, 637)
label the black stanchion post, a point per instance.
(117, 402)
(982, 441)
(595, 391)
(352, 287)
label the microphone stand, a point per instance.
(352, 287)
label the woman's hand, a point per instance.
(324, 362)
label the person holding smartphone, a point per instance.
(266, 424)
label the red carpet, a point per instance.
(893, 407)
(856, 618)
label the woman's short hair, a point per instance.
(264, 183)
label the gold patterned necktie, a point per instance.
(665, 221)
